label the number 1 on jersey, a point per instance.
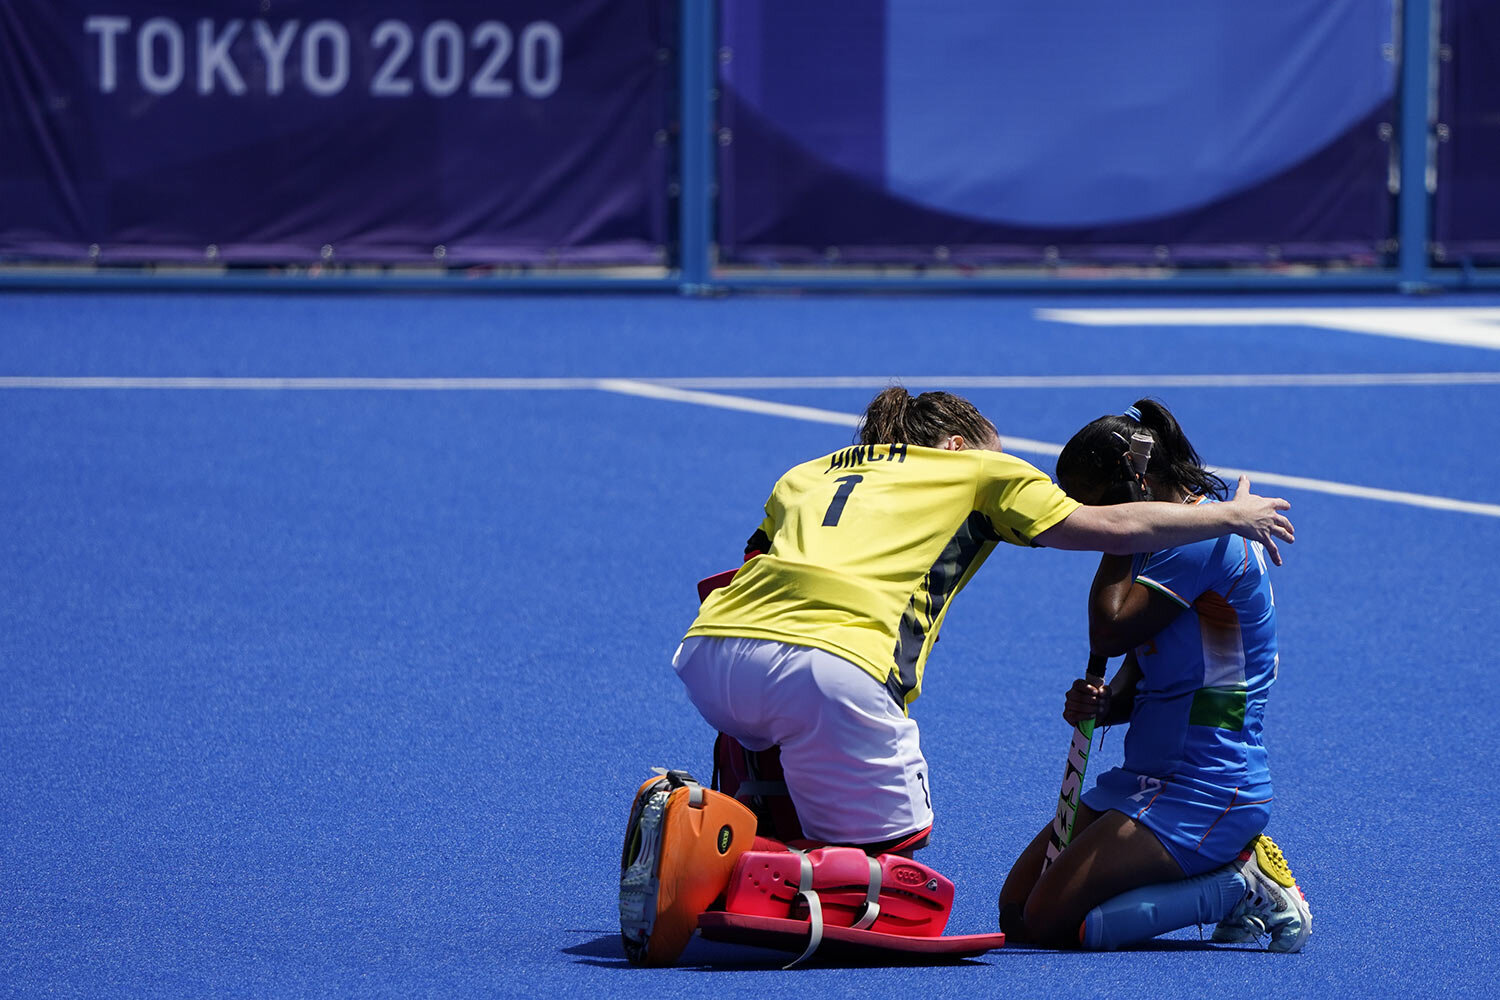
(836, 508)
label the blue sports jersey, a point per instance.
(1201, 701)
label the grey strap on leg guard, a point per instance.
(871, 911)
(814, 912)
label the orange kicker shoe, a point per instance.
(681, 844)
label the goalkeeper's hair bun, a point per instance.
(895, 416)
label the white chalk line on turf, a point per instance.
(1329, 380)
(653, 390)
(1463, 326)
(1269, 380)
(277, 383)
(745, 404)
(1364, 492)
(679, 390)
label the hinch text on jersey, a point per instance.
(862, 453)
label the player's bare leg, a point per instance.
(1110, 854)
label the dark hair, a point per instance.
(896, 417)
(1092, 457)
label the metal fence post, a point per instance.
(695, 139)
(1414, 204)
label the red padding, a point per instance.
(841, 943)
(734, 765)
(915, 900)
(709, 584)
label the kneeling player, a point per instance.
(1173, 837)
(818, 644)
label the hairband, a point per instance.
(1132, 413)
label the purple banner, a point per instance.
(940, 132)
(461, 132)
(1466, 205)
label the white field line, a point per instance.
(1333, 379)
(1258, 479)
(671, 390)
(652, 390)
(1462, 326)
(1330, 380)
(747, 405)
(332, 383)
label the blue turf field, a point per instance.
(344, 692)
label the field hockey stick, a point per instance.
(1078, 762)
(1137, 458)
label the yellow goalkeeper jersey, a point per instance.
(864, 550)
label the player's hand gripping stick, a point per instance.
(1072, 784)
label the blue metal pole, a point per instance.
(1414, 205)
(695, 139)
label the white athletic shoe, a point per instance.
(1273, 902)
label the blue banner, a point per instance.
(942, 130)
(262, 131)
(1466, 206)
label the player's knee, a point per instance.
(1013, 923)
(1049, 925)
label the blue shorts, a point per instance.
(1202, 825)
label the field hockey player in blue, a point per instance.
(1174, 837)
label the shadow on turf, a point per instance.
(605, 952)
(1155, 944)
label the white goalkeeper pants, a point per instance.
(852, 757)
